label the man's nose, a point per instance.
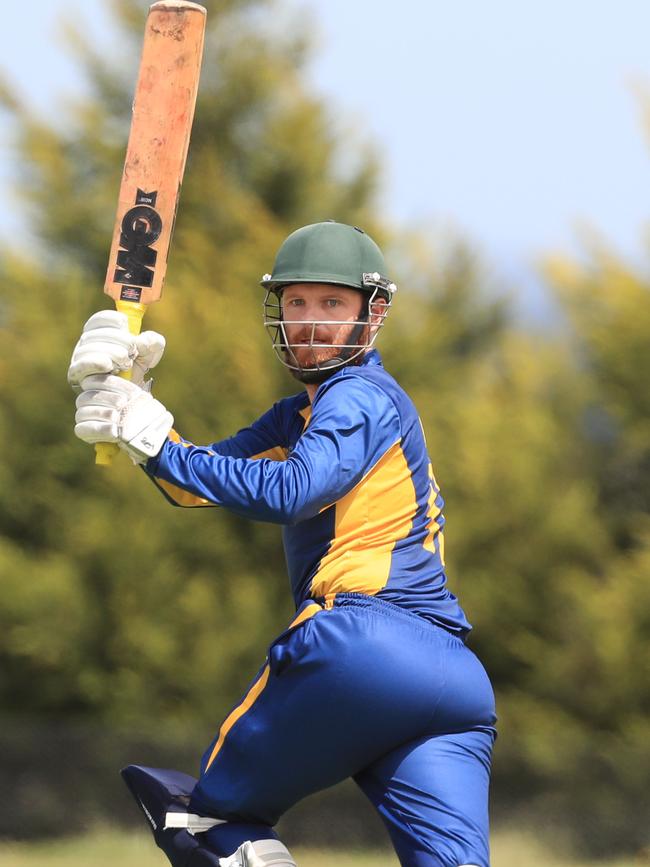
(304, 313)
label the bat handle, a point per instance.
(105, 452)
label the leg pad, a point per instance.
(159, 792)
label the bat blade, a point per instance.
(163, 110)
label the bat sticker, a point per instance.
(142, 198)
(136, 259)
(131, 293)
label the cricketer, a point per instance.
(373, 678)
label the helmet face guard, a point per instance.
(362, 335)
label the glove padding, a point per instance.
(107, 346)
(111, 409)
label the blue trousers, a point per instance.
(365, 690)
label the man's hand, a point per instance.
(107, 346)
(113, 410)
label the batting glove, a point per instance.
(107, 346)
(111, 409)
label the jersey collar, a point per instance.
(371, 358)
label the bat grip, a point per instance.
(105, 452)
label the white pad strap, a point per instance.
(192, 822)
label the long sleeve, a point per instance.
(267, 437)
(353, 424)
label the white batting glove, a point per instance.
(107, 346)
(113, 410)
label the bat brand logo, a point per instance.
(136, 260)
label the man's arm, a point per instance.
(353, 424)
(107, 347)
(264, 438)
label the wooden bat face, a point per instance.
(163, 110)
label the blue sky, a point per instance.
(516, 123)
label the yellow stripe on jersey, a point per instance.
(433, 512)
(239, 712)
(308, 611)
(256, 689)
(177, 495)
(184, 498)
(369, 521)
(277, 453)
(175, 437)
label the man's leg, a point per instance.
(337, 694)
(432, 795)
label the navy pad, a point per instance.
(159, 791)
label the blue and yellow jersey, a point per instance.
(350, 480)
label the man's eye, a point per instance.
(295, 302)
(332, 302)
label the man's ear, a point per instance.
(378, 311)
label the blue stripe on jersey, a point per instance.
(355, 493)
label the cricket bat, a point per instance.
(163, 109)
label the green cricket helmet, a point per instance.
(330, 252)
(336, 254)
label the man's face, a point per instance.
(318, 318)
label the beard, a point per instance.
(314, 365)
(317, 363)
(319, 367)
(314, 355)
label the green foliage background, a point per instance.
(120, 612)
